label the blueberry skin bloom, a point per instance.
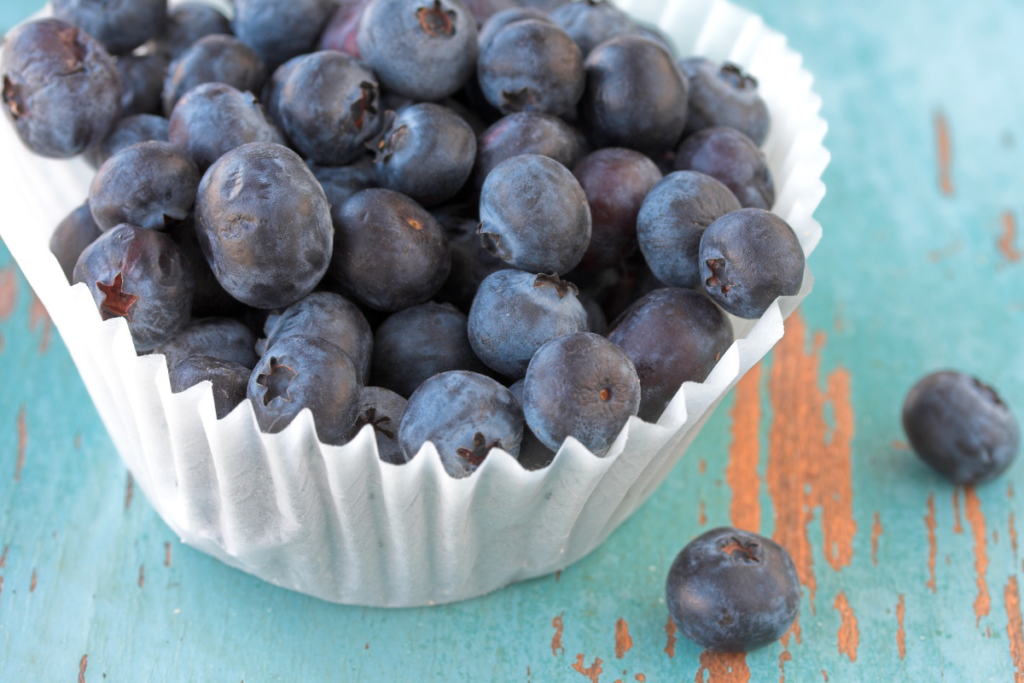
(213, 59)
(230, 380)
(264, 225)
(73, 234)
(636, 96)
(722, 95)
(464, 415)
(389, 253)
(220, 338)
(129, 131)
(420, 49)
(580, 385)
(306, 372)
(515, 313)
(383, 409)
(531, 65)
(672, 336)
(278, 31)
(672, 220)
(189, 22)
(146, 185)
(61, 89)
(534, 215)
(525, 133)
(749, 258)
(500, 20)
(732, 158)
(733, 591)
(592, 22)
(426, 153)
(961, 427)
(141, 276)
(120, 25)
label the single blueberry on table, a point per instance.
(580, 385)
(732, 158)
(60, 88)
(343, 27)
(533, 454)
(382, 409)
(733, 591)
(749, 258)
(120, 26)
(278, 31)
(129, 131)
(464, 415)
(187, 23)
(210, 298)
(672, 220)
(723, 95)
(213, 59)
(141, 276)
(500, 20)
(534, 215)
(264, 225)
(525, 133)
(230, 380)
(142, 83)
(592, 22)
(961, 427)
(224, 339)
(72, 235)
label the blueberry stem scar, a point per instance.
(116, 303)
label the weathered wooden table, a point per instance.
(905, 577)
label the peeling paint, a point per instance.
(8, 292)
(34, 582)
(741, 472)
(723, 667)
(1007, 238)
(623, 641)
(876, 532)
(167, 554)
(22, 443)
(641, 678)
(556, 640)
(83, 664)
(592, 672)
(670, 632)
(933, 547)
(3, 557)
(128, 491)
(958, 528)
(1015, 628)
(37, 314)
(975, 517)
(702, 517)
(142, 575)
(848, 636)
(1013, 533)
(943, 141)
(901, 635)
(784, 657)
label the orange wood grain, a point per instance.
(1009, 235)
(623, 641)
(22, 443)
(901, 634)
(1015, 628)
(876, 532)
(556, 640)
(976, 519)
(933, 548)
(958, 528)
(8, 292)
(849, 634)
(943, 141)
(723, 667)
(670, 638)
(592, 672)
(38, 315)
(83, 664)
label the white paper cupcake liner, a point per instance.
(336, 522)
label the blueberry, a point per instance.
(279, 31)
(189, 22)
(596, 320)
(120, 26)
(732, 158)
(672, 336)
(142, 82)
(592, 22)
(515, 313)
(464, 415)
(264, 225)
(213, 59)
(580, 385)
(219, 338)
(147, 184)
(636, 96)
(61, 89)
(229, 380)
(305, 372)
(341, 182)
(652, 32)
(533, 455)
(210, 298)
(426, 152)
(389, 253)
(482, 10)
(531, 65)
(128, 131)
(141, 276)
(525, 133)
(749, 258)
(534, 215)
(383, 410)
(420, 49)
(501, 19)
(722, 95)
(213, 118)
(543, 5)
(73, 234)
(960, 427)
(733, 591)
(343, 27)
(617, 288)
(415, 344)
(471, 263)
(615, 180)
(672, 220)
(328, 106)
(326, 316)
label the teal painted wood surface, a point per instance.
(911, 579)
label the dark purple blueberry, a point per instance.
(580, 385)
(471, 263)
(189, 22)
(278, 30)
(415, 344)
(672, 336)
(534, 215)
(382, 409)
(732, 158)
(61, 89)
(525, 133)
(961, 427)
(515, 313)
(471, 117)
(501, 19)
(482, 10)
(341, 182)
(543, 5)
(73, 234)
(654, 33)
(672, 220)
(722, 95)
(213, 59)
(636, 96)
(271, 95)
(615, 180)
(141, 276)
(142, 82)
(421, 49)
(426, 152)
(617, 288)
(749, 258)
(531, 65)
(305, 372)
(229, 380)
(212, 119)
(264, 225)
(592, 22)
(147, 184)
(533, 455)
(464, 415)
(389, 253)
(733, 591)
(326, 316)
(210, 300)
(343, 27)
(129, 131)
(221, 338)
(121, 26)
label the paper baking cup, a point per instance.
(336, 522)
